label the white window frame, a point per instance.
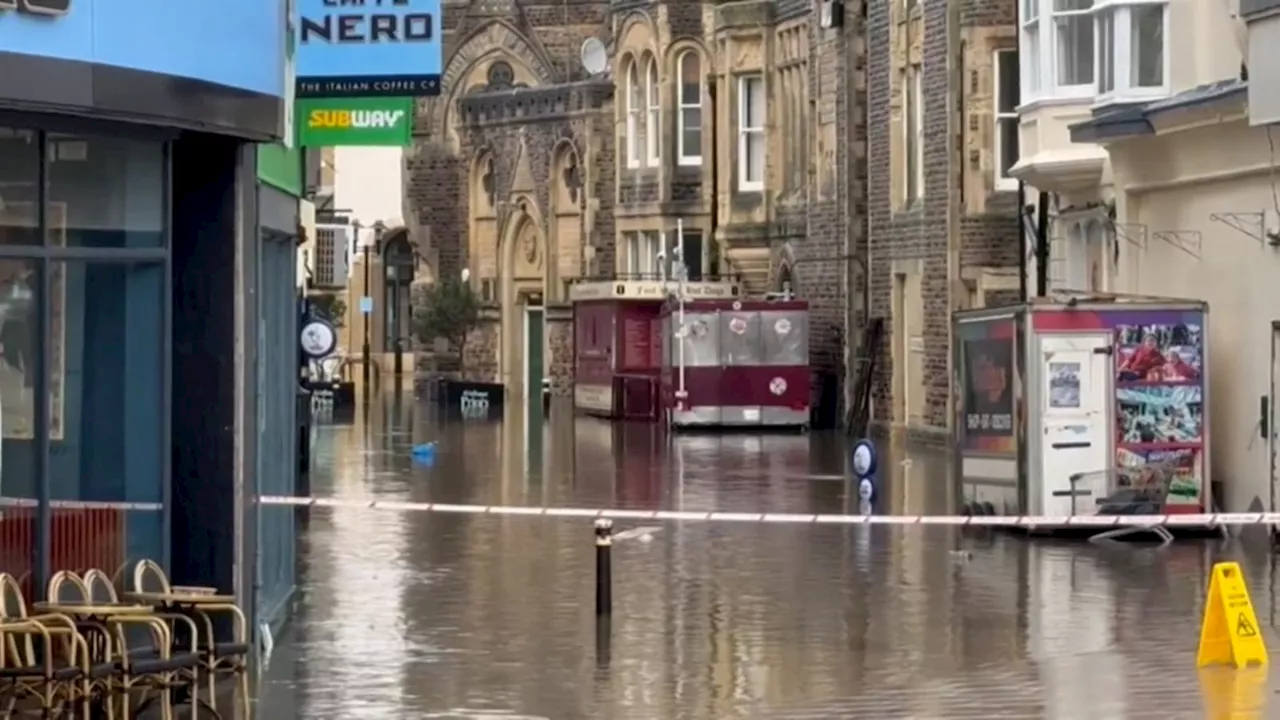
(653, 113)
(1055, 16)
(1038, 47)
(748, 134)
(686, 155)
(631, 82)
(1031, 50)
(913, 134)
(631, 241)
(1123, 89)
(1003, 120)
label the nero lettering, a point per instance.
(359, 119)
(37, 7)
(370, 28)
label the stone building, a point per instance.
(510, 177)
(942, 92)
(740, 121)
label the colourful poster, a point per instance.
(1160, 412)
(986, 398)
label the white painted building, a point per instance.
(1135, 119)
(368, 184)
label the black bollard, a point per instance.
(604, 566)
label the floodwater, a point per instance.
(446, 615)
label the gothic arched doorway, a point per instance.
(523, 275)
(398, 264)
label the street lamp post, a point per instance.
(366, 352)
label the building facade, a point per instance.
(134, 275)
(1160, 186)
(738, 123)
(943, 230)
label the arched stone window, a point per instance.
(633, 95)
(653, 114)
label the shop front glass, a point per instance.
(83, 367)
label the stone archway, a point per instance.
(523, 267)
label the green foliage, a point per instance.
(451, 310)
(329, 307)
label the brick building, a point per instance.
(943, 213)
(740, 120)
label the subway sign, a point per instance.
(368, 48)
(338, 122)
(37, 7)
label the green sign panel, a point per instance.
(333, 122)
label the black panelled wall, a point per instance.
(204, 523)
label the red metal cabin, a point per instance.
(618, 348)
(736, 363)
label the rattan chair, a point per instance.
(142, 648)
(218, 657)
(45, 666)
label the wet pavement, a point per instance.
(434, 615)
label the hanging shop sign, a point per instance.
(334, 122)
(387, 48)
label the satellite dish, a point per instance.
(595, 58)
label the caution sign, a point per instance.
(1230, 634)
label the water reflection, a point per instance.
(450, 615)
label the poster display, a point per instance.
(1160, 413)
(987, 386)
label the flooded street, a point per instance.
(441, 615)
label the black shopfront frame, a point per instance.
(44, 256)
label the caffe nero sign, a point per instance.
(368, 48)
(333, 122)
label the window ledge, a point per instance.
(910, 207)
(1130, 97)
(1048, 101)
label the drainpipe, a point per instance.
(1022, 241)
(1042, 244)
(721, 263)
(683, 332)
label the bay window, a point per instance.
(1073, 39)
(1031, 46)
(1108, 48)
(1132, 51)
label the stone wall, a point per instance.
(513, 91)
(961, 221)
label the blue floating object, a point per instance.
(424, 450)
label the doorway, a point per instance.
(1077, 372)
(534, 319)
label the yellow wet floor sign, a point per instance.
(1230, 634)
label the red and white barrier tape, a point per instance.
(81, 504)
(1029, 521)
